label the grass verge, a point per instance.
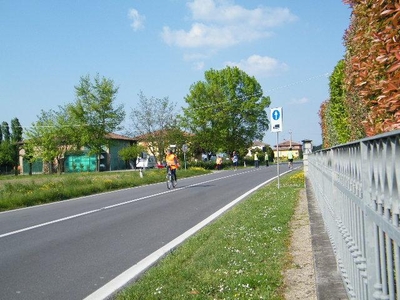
(23, 191)
(242, 255)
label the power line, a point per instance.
(298, 82)
(205, 106)
(274, 89)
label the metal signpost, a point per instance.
(184, 149)
(276, 126)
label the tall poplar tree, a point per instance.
(10, 144)
(16, 139)
(5, 147)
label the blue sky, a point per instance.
(163, 47)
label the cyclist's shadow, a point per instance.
(197, 186)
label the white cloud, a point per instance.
(200, 35)
(220, 23)
(222, 11)
(138, 19)
(257, 65)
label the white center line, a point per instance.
(110, 207)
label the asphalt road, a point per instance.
(71, 249)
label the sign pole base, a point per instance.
(277, 159)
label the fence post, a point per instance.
(307, 149)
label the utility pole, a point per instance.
(290, 132)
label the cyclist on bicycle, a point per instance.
(172, 163)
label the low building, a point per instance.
(284, 149)
(81, 161)
(257, 146)
(156, 143)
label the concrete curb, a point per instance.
(329, 283)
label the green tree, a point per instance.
(51, 137)
(16, 141)
(271, 153)
(5, 129)
(5, 156)
(6, 151)
(226, 111)
(336, 116)
(325, 123)
(153, 120)
(16, 131)
(175, 136)
(94, 114)
(29, 154)
(131, 153)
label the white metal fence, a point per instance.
(357, 187)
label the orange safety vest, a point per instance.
(172, 161)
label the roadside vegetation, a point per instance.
(242, 255)
(24, 191)
(359, 105)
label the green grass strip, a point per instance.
(241, 255)
(24, 191)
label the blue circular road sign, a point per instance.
(276, 115)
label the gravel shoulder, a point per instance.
(299, 277)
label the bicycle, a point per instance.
(171, 183)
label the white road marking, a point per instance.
(132, 273)
(118, 282)
(110, 207)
